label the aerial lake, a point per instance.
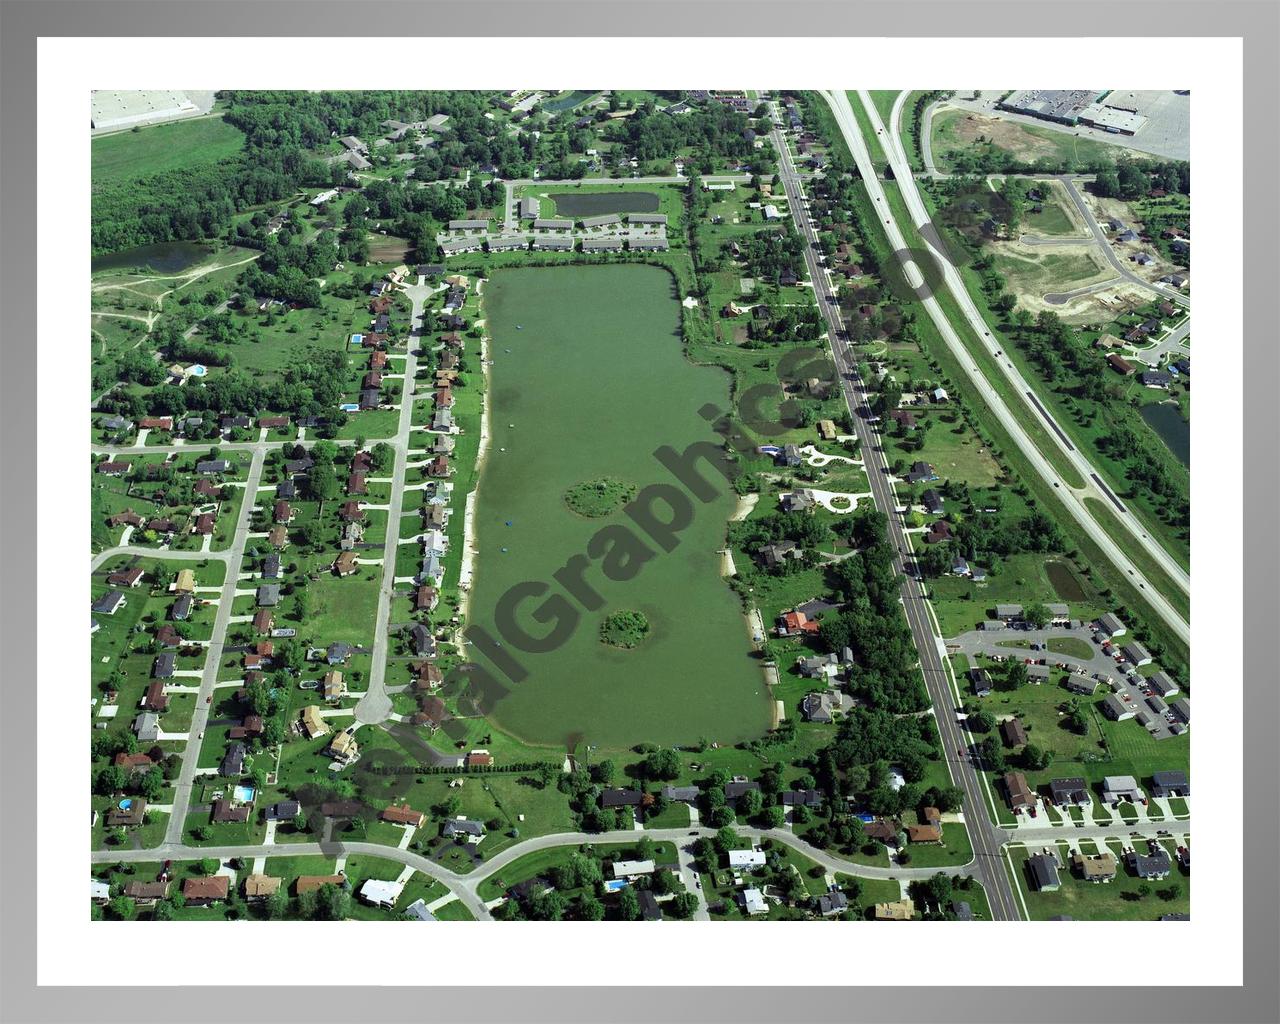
(161, 258)
(589, 378)
(1165, 418)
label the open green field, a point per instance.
(1056, 216)
(560, 424)
(127, 156)
(1050, 272)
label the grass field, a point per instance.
(1056, 214)
(128, 156)
(1035, 276)
(559, 426)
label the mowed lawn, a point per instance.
(588, 380)
(128, 156)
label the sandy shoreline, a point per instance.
(466, 572)
(745, 504)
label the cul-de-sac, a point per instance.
(640, 505)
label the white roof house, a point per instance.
(746, 858)
(380, 893)
(631, 868)
(753, 902)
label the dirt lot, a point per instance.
(387, 249)
(968, 129)
(1032, 272)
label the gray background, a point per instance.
(998, 957)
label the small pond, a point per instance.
(568, 102)
(162, 257)
(1165, 418)
(1065, 583)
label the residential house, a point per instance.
(313, 883)
(200, 892)
(147, 727)
(403, 815)
(343, 748)
(1170, 784)
(1118, 788)
(155, 699)
(817, 707)
(334, 686)
(1094, 867)
(1044, 872)
(1155, 864)
(125, 578)
(145, 894)
(753, 902)
(833, 902)
(311, 722)
(1021, 797)
(462, 829)
(109, 603)
(895, 910)
(621, 798)
(127, 817)
(258, 887)
(225, 812)
(1069, 792)
(1013, 733)
(980, 680)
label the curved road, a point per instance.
(1072, 499)
(466, 887)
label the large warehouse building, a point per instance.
(1062, 105)
(112, 111)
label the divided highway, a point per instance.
(988, 864)
(1073, 499)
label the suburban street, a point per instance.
(213, 654)
(466, 886)
(375, 705)
(988, 865)
(1072, 498)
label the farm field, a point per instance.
(559, 427)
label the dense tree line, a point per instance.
(771, 252)
(871, 622)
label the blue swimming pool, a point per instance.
(125, 804)
(615, 884)
(244, 794)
